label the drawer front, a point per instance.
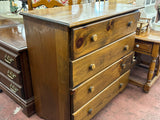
(89, 65)
(141, 46)
(93, 36)
(15, 88)
(10, 72)
(99, 101)
(10, 58)
(90, 88)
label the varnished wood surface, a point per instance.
(5, 22)
(90, 88)
(13, 37)
(141, 46)
(48, 50)
(81, 14)
(101, 58)
(105, 32)
(151, 36)
(100, 100)
(8, 71)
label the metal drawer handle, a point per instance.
(123, 66)
(90, 111)
(92, 66)
(120, 86)
(126, 47)
(129, 23)
(94, 37)
(8, 59)
(137, 45)
(91, 89)
(13, 88)
(11, 74)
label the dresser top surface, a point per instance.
(82, 13)
(151, 36)
(13, 36)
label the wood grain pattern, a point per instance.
(4, 22)
(101, 58)
(100, 100)
(11, 73)
(80, 14)
(141, 46)
(48, 48)
(107, 31)
(82, 94)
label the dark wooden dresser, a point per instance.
(15, 78)
(80, 57)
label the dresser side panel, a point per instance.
(49, 62)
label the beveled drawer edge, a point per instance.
(72, 61)
(20, 87)
(103, 20)
(73, 89)
(10, 67)
(8, 52)
(101, 92)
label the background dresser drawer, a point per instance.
(10, 72)
(9, 58)
(87, 90)
(100, 100)
(93, 36)
(89, 65)
(143, 46)
(15, 88)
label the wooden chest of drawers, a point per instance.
(15, 79)
(80, 57)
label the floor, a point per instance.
(131, 104)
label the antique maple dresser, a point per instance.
(15, 79)
(80, 57)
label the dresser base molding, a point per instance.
(27, 105)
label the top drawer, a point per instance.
(93, 36)
(9, 57)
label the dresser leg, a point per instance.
(1, 90)
(29, 110)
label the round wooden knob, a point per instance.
(137, 45)
(90, 111)
(129, 23)
(91, 89)
(123, 66)
(120, 85)
(126, 47)
(92, 66)
(94, 37)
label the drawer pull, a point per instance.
(126, 47)
(123, 66)
(90, 111)
(91, 89)
(8, 59)
(92, 66)
(13, 88)
(94, 37)
(11, 75)
(129, 23)
(137, 45)
(120, 86)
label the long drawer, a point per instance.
(87, 66)
(87, 90)
(15, 88)
(10, 58)
(93, 36)
(99, 101)
(10, 72)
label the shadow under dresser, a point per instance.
(80, 57)
(15, 78)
